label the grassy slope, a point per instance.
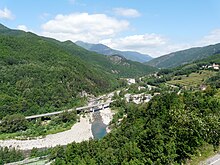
(193, 80)
(192, 75)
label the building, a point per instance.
(131, 81)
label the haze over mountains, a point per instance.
(103, 49)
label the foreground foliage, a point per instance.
(8, 155)
(167, 130)
(17, 126)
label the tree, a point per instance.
(13, 123)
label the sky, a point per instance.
(154, 27)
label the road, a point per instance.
(215, 160)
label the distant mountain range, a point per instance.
(103, 49)
(185, 56)
(120, 68)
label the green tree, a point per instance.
(13, 123)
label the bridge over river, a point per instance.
(89, 108)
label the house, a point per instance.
(131, 81)
(215, 66)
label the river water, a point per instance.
(98, 127)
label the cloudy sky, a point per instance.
(154, 27)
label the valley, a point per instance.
(64, 100)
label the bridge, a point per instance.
(89, 108)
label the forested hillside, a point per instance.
(192, 75)
(38, 76)
(185, 56)
(127, 68)
(103, 49)
(168, 130)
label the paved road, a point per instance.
(215, 160)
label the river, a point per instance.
(98, 127)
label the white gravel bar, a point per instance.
(80, 131)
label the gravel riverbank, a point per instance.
(79, 132)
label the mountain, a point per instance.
(184, 56)
(39, 74)
(193, 76)
(2, 27)
(103, 49)
(125, 68)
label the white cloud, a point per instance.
(100, 28)
(157, 45)
(126, 12)
(147, 43)
(83, 26)
(6, 14)
(22, 27)
(212, 38)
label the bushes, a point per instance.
(8, 155)
(66, 117)
(13, 123)
(26, 128)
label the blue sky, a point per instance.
(154, 27)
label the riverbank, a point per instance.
(79, 132)
(107, 116)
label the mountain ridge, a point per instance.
(40, 75)
(103, 49)
(184, 56)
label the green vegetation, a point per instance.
(123, 68)
(192, 80)
(168, 130)
(105, 50)
(8, 155)
(190, 76)
(185, 56)
(16, 126)
(39, 76)
(214, 80)
(203, 153)
(13, 123)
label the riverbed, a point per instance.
(79, 132)
(98, 127)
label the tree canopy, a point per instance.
(167, 130)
